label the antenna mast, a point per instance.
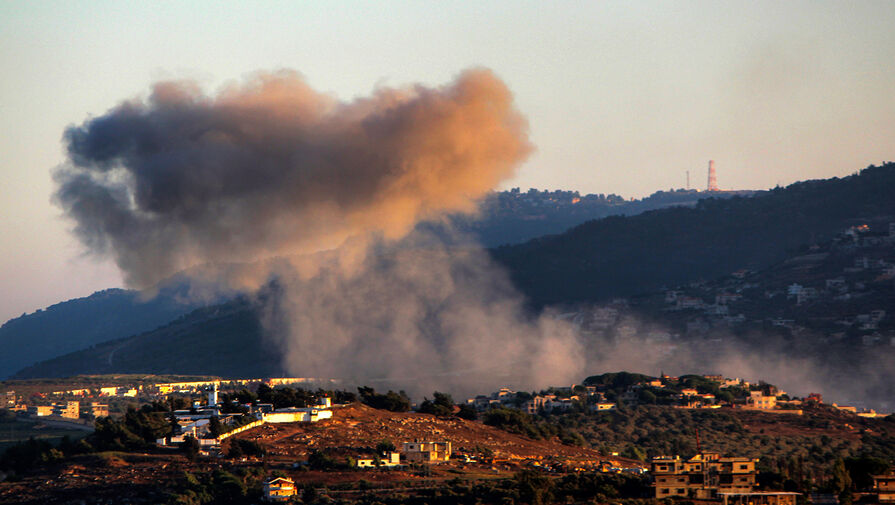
(713, 180)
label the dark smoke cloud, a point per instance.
(272, 167)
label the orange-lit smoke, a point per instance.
(272, 167)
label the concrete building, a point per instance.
(279, 489)
(97, 409)
(40, 410)
(427, 452)
(884, 485)
(297, 415)
(69, 409)
(757, 400)
(703, 476)
(213, 395)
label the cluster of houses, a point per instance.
(562, 399)
(189, 387)
(414, 452)
(702, 307)
(65, 413)
(196, 422)
(732, 481)
(767, 398)
(79, 406)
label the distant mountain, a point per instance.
(622, 256)
(506, 217)
(614, 257)
(223, 340)
(512, 217)
(82, 322)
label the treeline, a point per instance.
(528, 487)
(282, 397)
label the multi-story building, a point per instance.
(40, 410)
(758, 400)
(280, 489)
(69, 409)
(703, 476)
(98, 410)
(427, 452)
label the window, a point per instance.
(744, 467)
(680, 491)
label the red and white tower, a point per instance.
(713, 180)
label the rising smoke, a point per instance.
(270, 179)
(273, 169)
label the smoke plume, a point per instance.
(272, 167)
(271, 179)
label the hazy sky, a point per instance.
(622, 97)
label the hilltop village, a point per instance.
(311, 443)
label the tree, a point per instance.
(862, 469)
(442, 405)
(385, 446)
(235, 450)
(190, 447)
(215, 428)
(840, 480)
(534, 488)
(319, 461)
(467, 412)
(395, 402)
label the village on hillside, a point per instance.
(306, 432)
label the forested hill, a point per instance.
(75, 324)
(224, 340)
(622, 255)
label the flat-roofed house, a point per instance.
(279, 489)
(884, 485)
(427, 452)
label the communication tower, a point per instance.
(713, 180)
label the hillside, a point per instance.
(223, 340)
(82, 322)
(796, 453)
(622, 256)
(227, 340)
(355, 430)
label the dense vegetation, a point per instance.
(526, 487)
(800, 458)
(395, 402)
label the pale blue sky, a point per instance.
(622, 97)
